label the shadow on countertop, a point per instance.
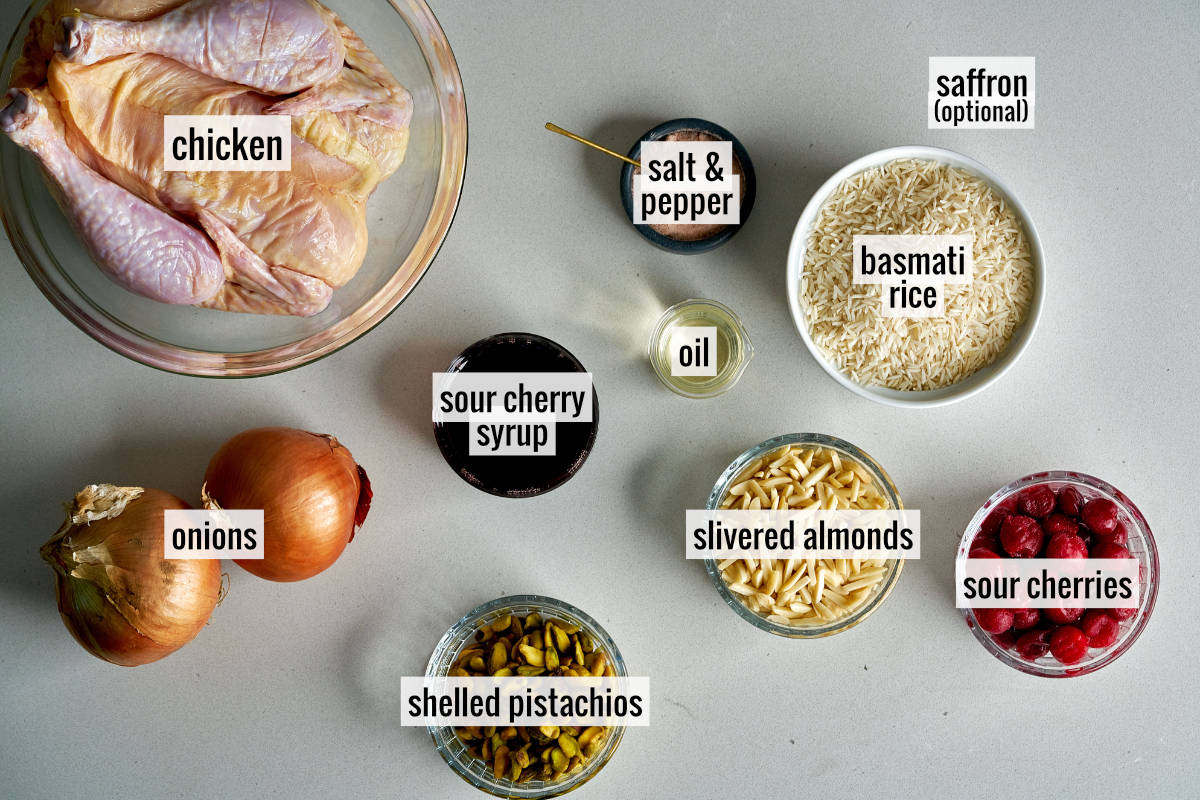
(618, 134)
(403, 388)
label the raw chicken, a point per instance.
(252, 279)
(285, 239)
(275, 46)
(368, 102)
(44, 30)
(310, 221)
(364, 86)
(142, 248)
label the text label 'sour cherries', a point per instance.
(1021, 536)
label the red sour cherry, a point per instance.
(1033, 645)
(1100, 629)
(1070, 501)
(1120, 534)
(1068, 644)
(1037, 501)
(1021, 536)
(1062, 615)
(1100, 514)
(1066, 545)
(1024, 618)
(991, 523)
(1106, 549)
(994, 620)
(1060, 523)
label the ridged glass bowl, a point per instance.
(475, 771)
(1140, 545)
(882, 589)
(407, 218)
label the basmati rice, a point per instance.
(914, 196)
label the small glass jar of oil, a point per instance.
(674, 348)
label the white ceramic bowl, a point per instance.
(972, 384)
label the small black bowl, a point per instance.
(739, 152)
(518, 476)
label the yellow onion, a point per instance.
(117, 595)
(312, 493)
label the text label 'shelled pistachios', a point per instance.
(532, 645)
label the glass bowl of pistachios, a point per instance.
(526, 635)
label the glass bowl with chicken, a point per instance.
(229, 269)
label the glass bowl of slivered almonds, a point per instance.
(804, 598)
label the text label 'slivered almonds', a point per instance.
(804, 591)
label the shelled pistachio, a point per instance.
(532, 645)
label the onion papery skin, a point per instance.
(309, 487)
(118, 596)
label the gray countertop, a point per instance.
(291, 691)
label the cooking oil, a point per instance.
(699, 348)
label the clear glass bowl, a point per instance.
(1140, 545)
(741, 350)
(882, 589)
(407, 218)
(473, 770)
